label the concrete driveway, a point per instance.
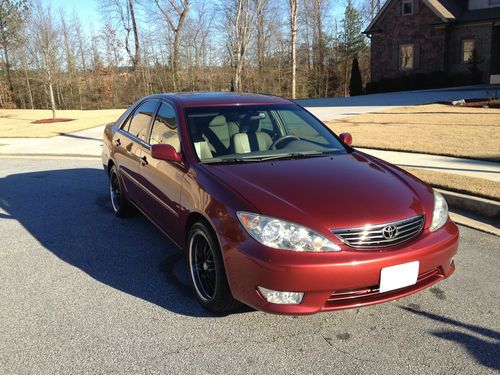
(82, 291)
(328, 109)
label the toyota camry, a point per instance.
(273, 209)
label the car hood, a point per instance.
(338, 191)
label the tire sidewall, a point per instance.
(122, 209)
(222, 293)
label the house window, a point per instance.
(407, 56)
(467, 50)
(407, 8)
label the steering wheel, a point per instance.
(280, 139)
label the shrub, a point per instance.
(355, 85)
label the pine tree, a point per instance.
(352, 41)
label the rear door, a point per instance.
(129, 142)
(163, 179)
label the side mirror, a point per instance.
(346, 138)
(165, 152)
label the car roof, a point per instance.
(202, 99)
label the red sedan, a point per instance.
(272, 208)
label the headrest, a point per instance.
(218, 121)
(250, 122)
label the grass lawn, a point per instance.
(432, 129)
(458, 183)
(16, 123)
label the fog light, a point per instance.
(281, 298)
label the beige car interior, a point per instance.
(223, 137)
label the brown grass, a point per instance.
(17, 123)
(432, 129)
(459, 183)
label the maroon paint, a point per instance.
(346, 138)
(321, 193)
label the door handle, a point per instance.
(144, 161)
(118, 142)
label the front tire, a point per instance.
(119, 203)
(207, 272)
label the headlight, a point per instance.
(440, 213)
(281, 234)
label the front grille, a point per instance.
(381, 235)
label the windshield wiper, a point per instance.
(253, 159)
(296, 155)
(230, 160)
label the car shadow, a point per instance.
(485, 349)
(69, 213)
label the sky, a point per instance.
(88, 10)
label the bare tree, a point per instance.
(43, 44)
(175, 14)
(260, 6)
(240, 15)
(123, 12)
(281, 47)
(293, 45)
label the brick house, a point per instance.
(421, 36)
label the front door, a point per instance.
(163, 179)
(129, 142)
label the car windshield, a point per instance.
(257, 133)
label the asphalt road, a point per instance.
(84, 292)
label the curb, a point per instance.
(473, 221)
(482, 206)
(49, 156)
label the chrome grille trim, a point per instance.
(372, 237)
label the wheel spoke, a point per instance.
(203, 266)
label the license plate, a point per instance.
(398, 276)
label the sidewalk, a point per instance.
(465, 167)
(88, 143)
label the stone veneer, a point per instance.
(423, 28)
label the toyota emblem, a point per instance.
(389, 232)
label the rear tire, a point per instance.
(207, 272)
(119, 203)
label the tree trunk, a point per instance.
(346, 77)
(7, 68)
(52, 99)
(28, 87)
(260, 37)
(137, 50)
(293, 59)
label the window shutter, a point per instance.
(416, 55)
(477, 49)
(396, 63)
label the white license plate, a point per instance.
(398, 276)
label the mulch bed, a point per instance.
(52, 120)
(481, 103)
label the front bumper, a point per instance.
(334, 281)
